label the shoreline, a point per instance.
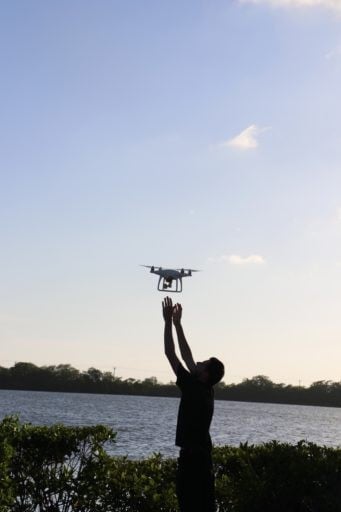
(160, 395)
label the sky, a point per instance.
(182, 134)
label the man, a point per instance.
(195, 479)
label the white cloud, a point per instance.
(247, 139)
(329, 4)
(235, 259)
(255, 259)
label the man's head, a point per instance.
(210, 371)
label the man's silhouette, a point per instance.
(195, 479)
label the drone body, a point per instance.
(170, 280)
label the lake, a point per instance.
(147, 424)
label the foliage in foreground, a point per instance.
(59, 468)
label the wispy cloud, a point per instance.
(253, 259)
(236, 259)
(247, 139)
(329, 4)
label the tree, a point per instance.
(94, 375)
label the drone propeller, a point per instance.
(152, 267)
(182, 270)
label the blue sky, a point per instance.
(203, 135)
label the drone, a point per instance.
(170, 280)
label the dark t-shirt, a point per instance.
(195, 411)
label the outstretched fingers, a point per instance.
(167, 303)
(177, 311)
(167, 308)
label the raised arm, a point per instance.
(167, 310)
(185, 350)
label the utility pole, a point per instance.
(114, 371)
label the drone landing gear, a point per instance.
(169, 285)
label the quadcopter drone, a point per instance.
(170, 280)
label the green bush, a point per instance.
(142, 486)
(54, 468)
(278, 477)
(6, 455)
(59, 468)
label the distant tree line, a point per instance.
(65, 378)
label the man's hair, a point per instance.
(215, 370)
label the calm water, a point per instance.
(147, 424)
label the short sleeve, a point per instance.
(184, 378)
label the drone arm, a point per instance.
(170, 347)
(185, 350)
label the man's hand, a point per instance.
(185, 350)
(167, 309)
(177, 312)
